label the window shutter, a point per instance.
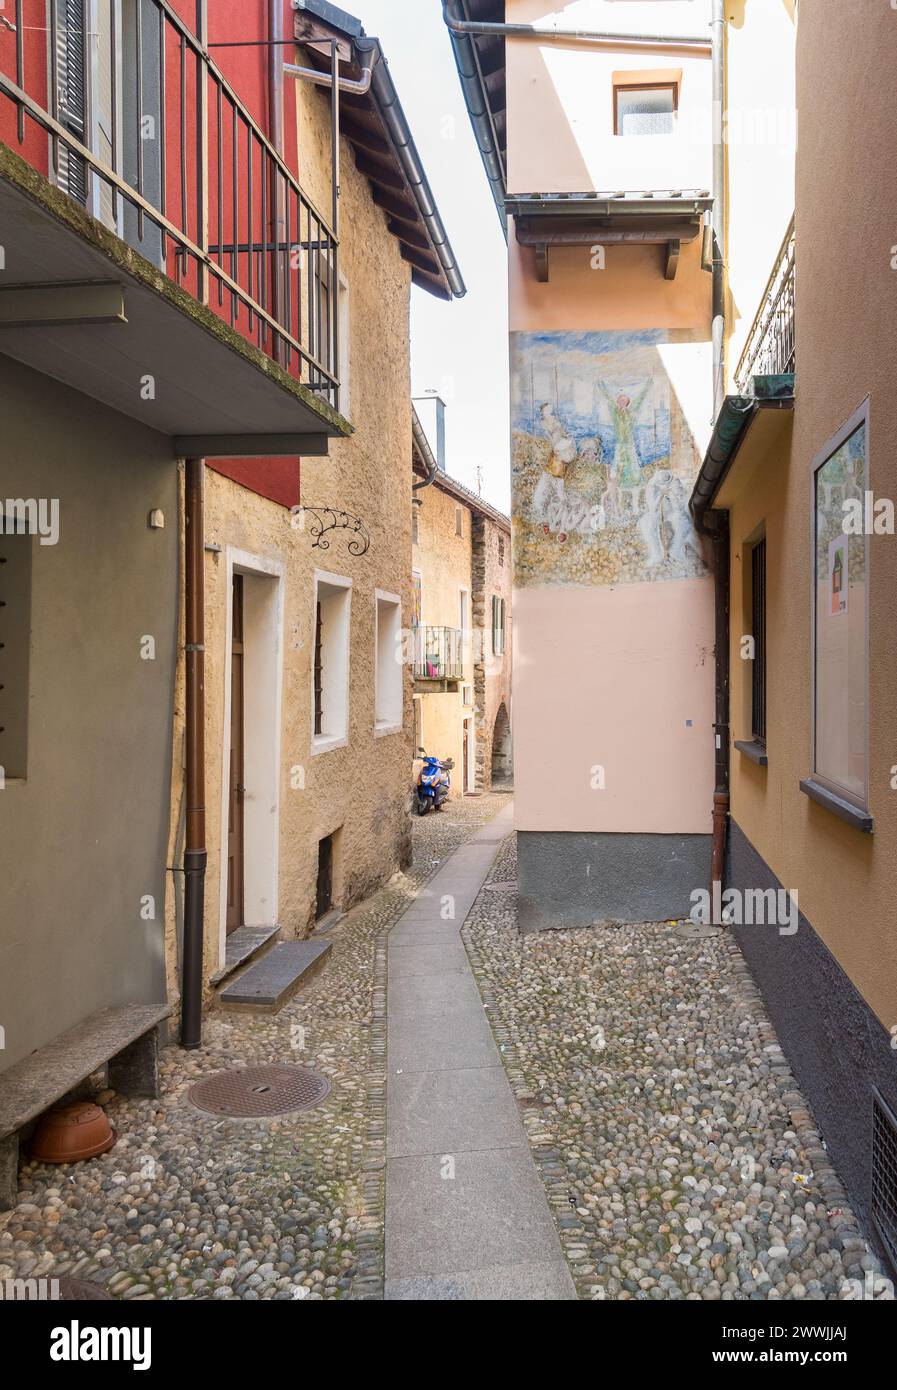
(71, 88)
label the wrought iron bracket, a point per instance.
(319, 520)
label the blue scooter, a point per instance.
(433, 783)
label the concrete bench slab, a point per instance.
(125, 1037)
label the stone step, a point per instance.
(243, 945)
(268, 984)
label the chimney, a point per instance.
(431, 413)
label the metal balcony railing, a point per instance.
(438, 653)
(769, 350)
(132, 118)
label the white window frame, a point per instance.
(385, 726)
(323, 743)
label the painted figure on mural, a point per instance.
(666, 526)
(626, 467)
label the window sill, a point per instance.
(854, 815)
(750, 748)
(325, 742)
(384, 730)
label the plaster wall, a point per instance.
(561, 100)
(845, 315)
(83, 835)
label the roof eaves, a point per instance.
(733, 423)
(434, 267)
(479, 109)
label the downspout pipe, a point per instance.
(276, 120)
(718, 330)
(195, 854)
(358, 87)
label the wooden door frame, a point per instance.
(263, 680)
(237, 792)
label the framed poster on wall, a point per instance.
(840, 482)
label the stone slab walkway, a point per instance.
(466, 1213)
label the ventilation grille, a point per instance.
(884, 1176)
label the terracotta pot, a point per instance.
(71, 1132)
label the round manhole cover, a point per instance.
(256, 1092)
(81, 1290)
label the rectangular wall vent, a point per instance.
(884, 1175)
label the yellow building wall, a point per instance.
(845, 318)
(443, 560)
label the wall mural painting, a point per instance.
(603, 460)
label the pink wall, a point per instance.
(609, 678)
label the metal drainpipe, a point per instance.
(359, 87)
(721, 551)
(720, 532)
(275, 117)
(719, 205)
(195, 855)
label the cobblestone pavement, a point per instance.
(679, 1157)
(189, 1206)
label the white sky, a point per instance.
(461, 348)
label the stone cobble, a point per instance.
(189, 1206)
(679, 1157)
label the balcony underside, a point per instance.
(209, 383)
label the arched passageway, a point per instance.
(502, 760)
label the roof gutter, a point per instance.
(376, 80)
(393, 117)
(480, 28)
(735, 418)
(423, 447)
(477, 106)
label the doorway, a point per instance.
(324, 895)
(252, 676)
(467, 756)
(236, 822)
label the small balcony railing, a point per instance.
(438, 653)
(126, 111)
(769, 350)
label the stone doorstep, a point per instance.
(271, 982)
(242, 946)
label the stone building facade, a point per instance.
(461, 578)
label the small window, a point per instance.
(498, 625)
(758, 628)
(467, 694)
(330, 684)
(501, 549)
(388, 708)
(459, 521)
(648, 110)
(415, 524)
